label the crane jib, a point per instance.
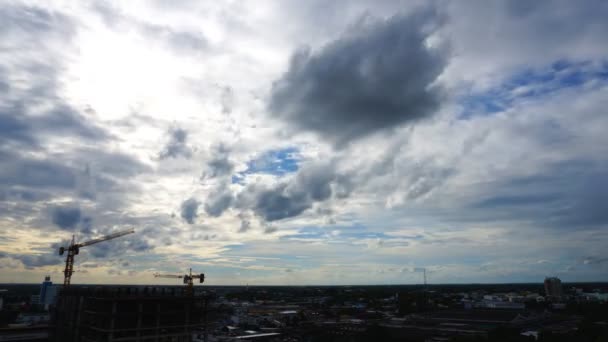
(106, 238)
(73, 249)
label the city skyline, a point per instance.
(315, 143)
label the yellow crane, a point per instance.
(188, 279)
(74, 248)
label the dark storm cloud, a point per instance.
(66, 217)
(277, 203)
(312, 184)
(218, 201)
(32, 261)
(189, 210)
(379, 76)
(177, 145)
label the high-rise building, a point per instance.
(43, 288)
(48, 292)
(553, 287)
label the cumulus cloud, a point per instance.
(245, 225)
(218, 163)
(479, 179)
(178, 40)
(292, 197)
(36, 118)
(33, 261)
(177, 145)
(377, 76)
(189, 210)
(218, 201)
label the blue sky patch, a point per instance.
(533, 83)
(356, 231)
(274, 162)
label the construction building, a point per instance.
(128, 314)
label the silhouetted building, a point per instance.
(128, 314)
(48, 293)
(553, 287)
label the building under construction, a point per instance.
(129, 314)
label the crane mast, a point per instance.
(74, 248)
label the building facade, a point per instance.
(128, 314)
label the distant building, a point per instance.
(553, 287)
(47, 295)
(48, 292)
(44, 287)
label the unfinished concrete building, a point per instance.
(129, 314)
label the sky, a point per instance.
(305, 142)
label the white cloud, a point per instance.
(470, 194)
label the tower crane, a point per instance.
(74, 248)
(187, 278)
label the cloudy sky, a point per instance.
(305, 142)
